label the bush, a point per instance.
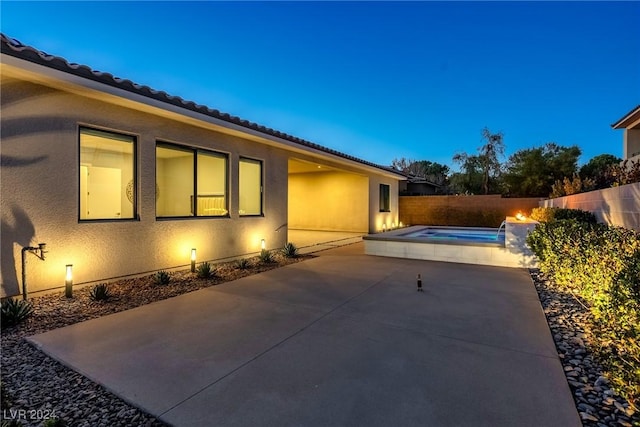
(554, 214)
(601, 264)
(266, 256)
(162, 278)
(14, 311)
(55, 422)
(204, 270)
(100, 292)
(290, 250)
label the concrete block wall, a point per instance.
(619, 206)
(467, 211)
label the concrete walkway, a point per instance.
(340, 340)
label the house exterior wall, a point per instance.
(619, 206)
(39, 183)
(329, 201)
(632, 144)
(379, 220)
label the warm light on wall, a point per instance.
(193, 260)
(263, 244)
(400, 225)
(384, 226)
(68, 281)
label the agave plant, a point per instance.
(290, 250)
(266, 256)
(162, 278)
(15, 311)
(204, 270)
(242, 264)
(100, 292)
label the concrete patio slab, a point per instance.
(341, 339)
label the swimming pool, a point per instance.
(504, 246)
(490, 235)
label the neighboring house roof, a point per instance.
(16, 49)
(415, 179)
(628, 118)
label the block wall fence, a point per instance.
(619, 206)
(466, 211)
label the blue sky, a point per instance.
(377, 80)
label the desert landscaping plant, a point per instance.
(15, 311)
(204, 270)
(290, 250)
(266, 256)
(242, 264)
(162, 278)
(100, 292)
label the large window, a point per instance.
(107, 175)
(384, 198)
(190, 182)
(250, 187)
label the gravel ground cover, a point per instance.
(36, 388)
(597, 403)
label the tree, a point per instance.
(597, 170)
(485, 164)
(532, 172)
(431, 171)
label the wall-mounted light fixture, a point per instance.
(68, 281)
(263, 244)
(193, 260)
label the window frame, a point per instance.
(194, 153)
(134, 153)
(385, 198)
(261, 163)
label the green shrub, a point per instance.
(162, 278)
(204, 270)
(100, 292)
(266, 256)
(290, 250)
(600, 264)
(242, 264)
(555, 214)
(14, 311)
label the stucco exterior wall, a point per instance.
(619, 206)
(381, 220)
(39, 187)
(328, 201)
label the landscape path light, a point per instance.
(193, 260)
(68, 281)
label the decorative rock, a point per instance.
(587, 417)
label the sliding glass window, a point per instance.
(181, 174)
(250, 187)
(107, 175)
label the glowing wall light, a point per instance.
(193, 260)
(68, 281)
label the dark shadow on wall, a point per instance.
(10, 161)
(18, 229)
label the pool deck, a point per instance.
(397, 244)
(342, 339)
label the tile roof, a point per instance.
(16, 49)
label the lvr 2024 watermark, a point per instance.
(28, 414)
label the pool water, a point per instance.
(458, 234)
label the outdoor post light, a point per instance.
(193, 260)
(263, 244)
(68, 282)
